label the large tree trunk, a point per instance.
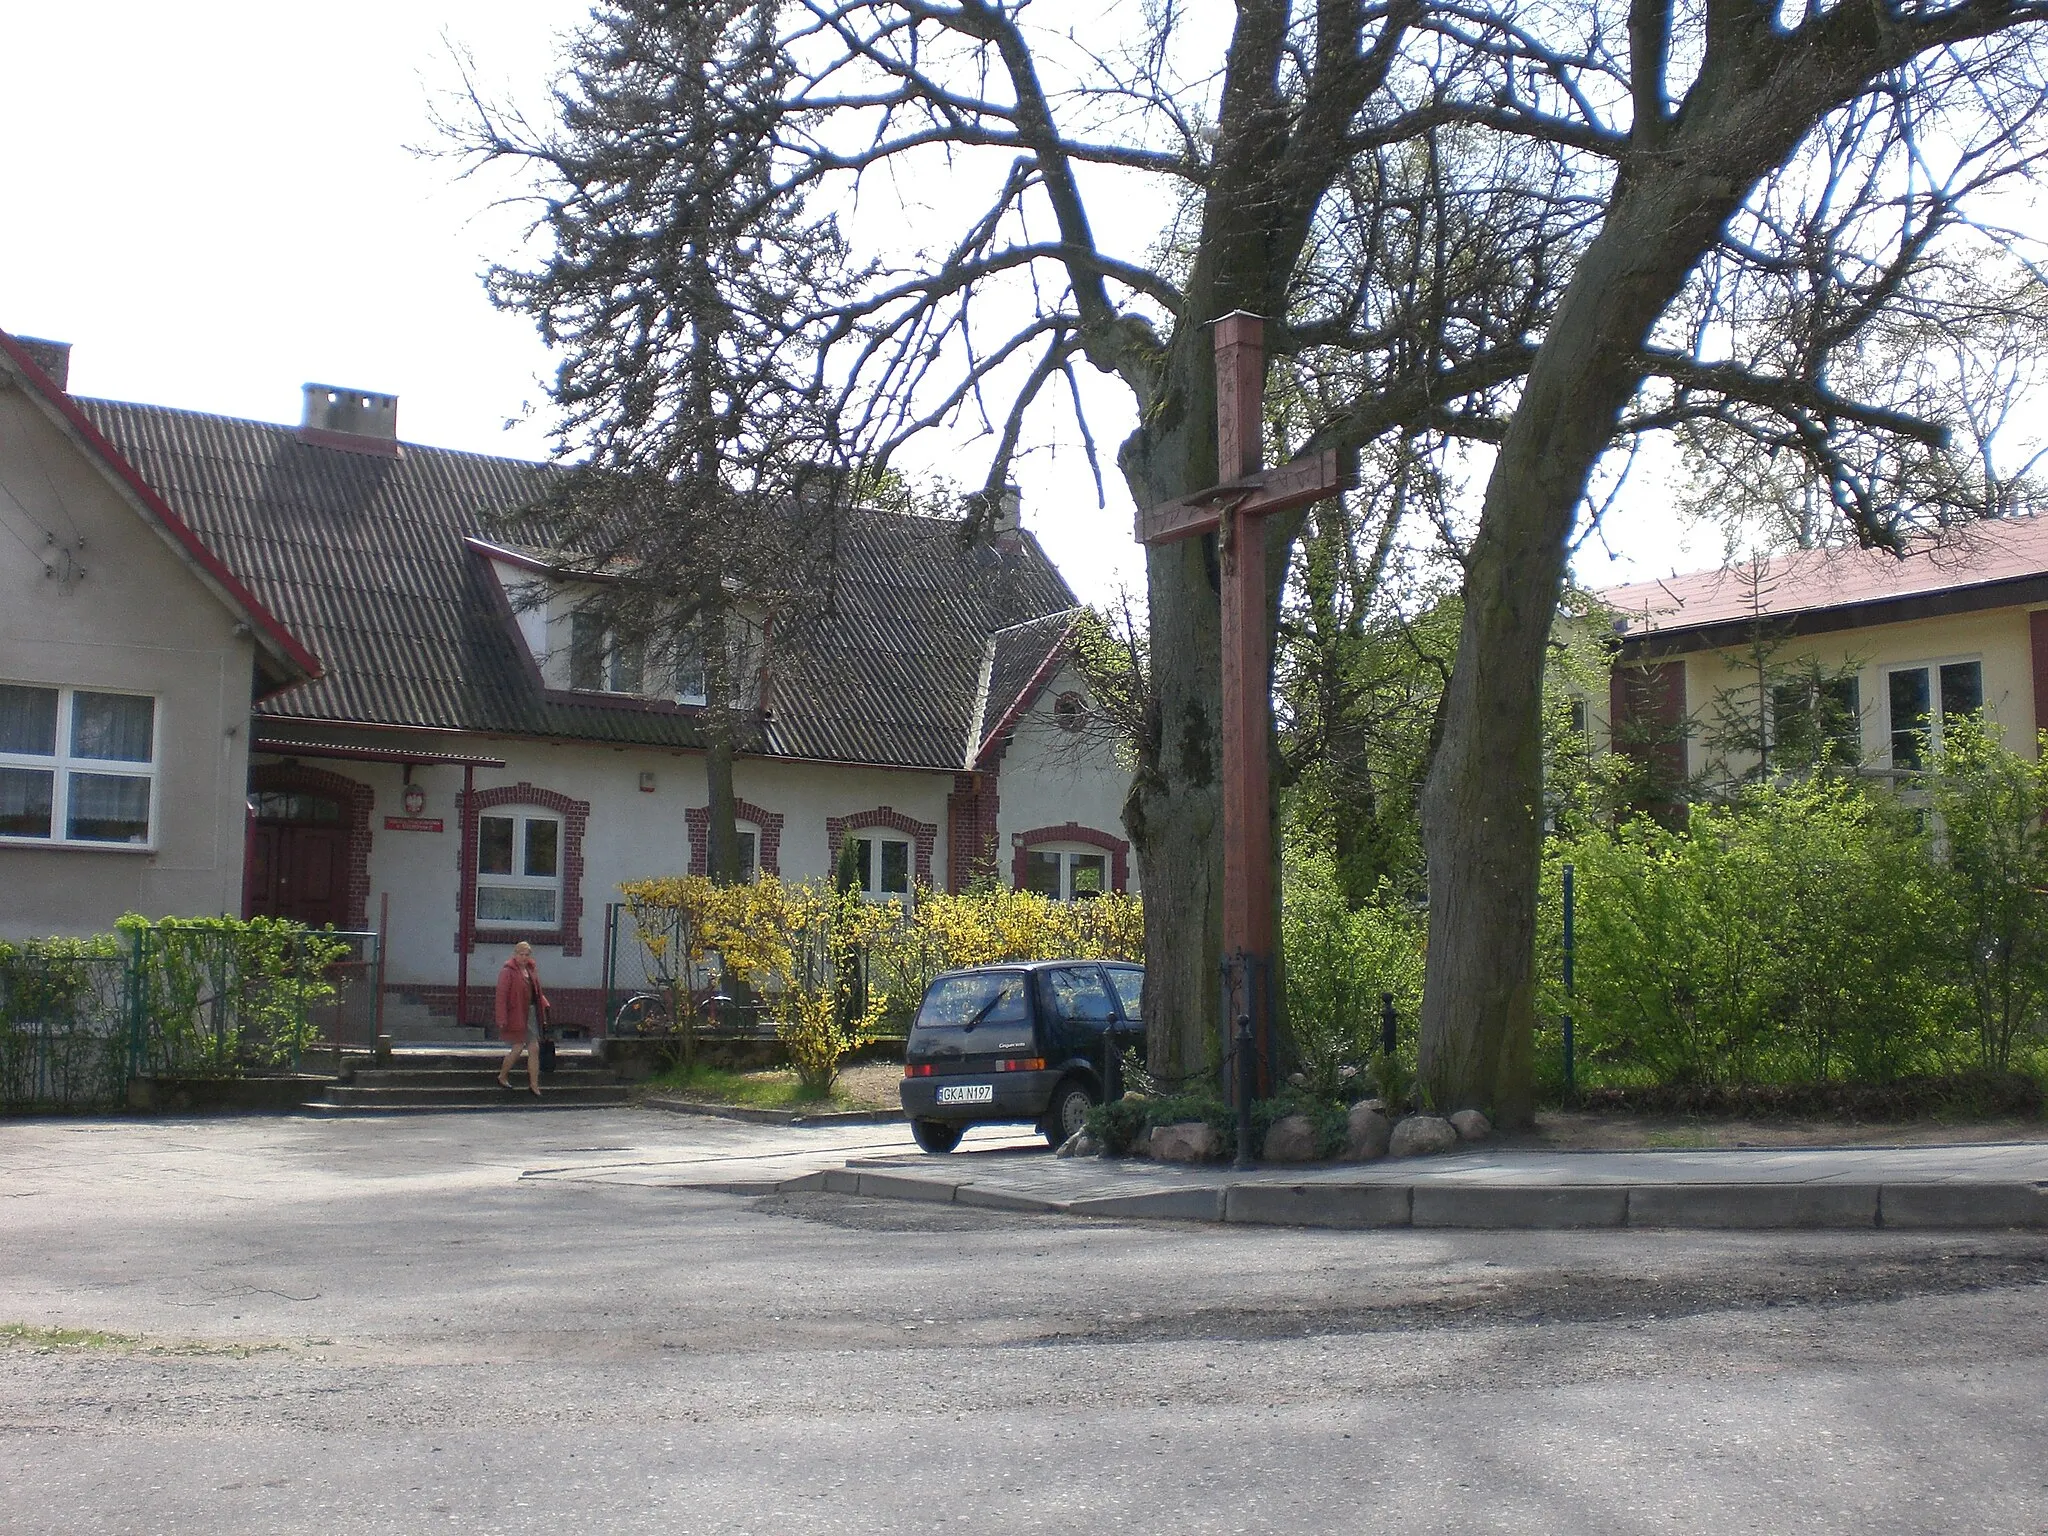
(1482, 803)
(1174, 812)
(721, 837)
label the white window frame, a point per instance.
(750, 863)
(1937, 725)
(871, 884)
(1859, 715)
(1067, 853)
(521, 816)
(609, 653)
(61, 764)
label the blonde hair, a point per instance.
(524, 949)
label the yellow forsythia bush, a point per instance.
(833, 969)
(796, 944)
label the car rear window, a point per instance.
(978, 1001)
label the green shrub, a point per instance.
(1338, 963)
(1124, 1124)
(1331, 1121)
(1120, 1124)
(1817, 930)
(1993, 927)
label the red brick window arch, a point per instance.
(918, 837)
(574, 818)
(766, 825)
(1042, 873)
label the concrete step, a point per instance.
(505, 1104)
(487, 1096)
(581, 1074)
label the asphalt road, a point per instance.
(522, 1323)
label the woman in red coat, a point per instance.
(522, 1010)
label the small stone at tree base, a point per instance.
(1292, 1139)
(1080, 1144)
(1367, 1132)
(1192, 1141)
(1421, 1135)
(1471, 1125)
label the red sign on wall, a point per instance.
(412, 823)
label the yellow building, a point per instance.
(1888, 649)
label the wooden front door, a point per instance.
(298, 859)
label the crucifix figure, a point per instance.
(1236, 511)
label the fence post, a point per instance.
(135, 1025)
(1570, 1044)
(611, 941)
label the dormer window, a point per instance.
(600, 662)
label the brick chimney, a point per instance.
(1006, 522)
(53, 357)
(353, 420)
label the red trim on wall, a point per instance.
(923, 835)
(1119, 850)
(2037, 637)
(360, 800)
(971, 829)
(1033, 686)
(289, 644)
(768, 856)
(575, 816)
(1652, 696)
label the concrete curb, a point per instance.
(774, 1116)
(1701, 1207)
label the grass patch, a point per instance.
(773, 1089)
(49, 1340)
(66, 1338)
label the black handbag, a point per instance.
(547, 1030)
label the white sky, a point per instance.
(216, 203)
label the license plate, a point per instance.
(968, 1093)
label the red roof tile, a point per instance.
(1807, 581)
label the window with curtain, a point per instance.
(77, 766)
(518, 869)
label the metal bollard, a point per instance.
(1389, 1038)
(1247, 1085)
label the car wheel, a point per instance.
(936, 1136)
(1067, 1112)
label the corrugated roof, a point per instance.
(363, 556)
(1810, 580)
(1016, 658)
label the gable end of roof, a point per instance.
(293, 662)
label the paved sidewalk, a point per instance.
(1975, 1185)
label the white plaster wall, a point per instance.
(631, 835)
(139, 621)
(1998, 638)
(1051, 776)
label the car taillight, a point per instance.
(1022, 1064)
(917, 1069)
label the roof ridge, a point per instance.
(288, 430)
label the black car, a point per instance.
(1030, 1041)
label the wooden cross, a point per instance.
(1236, 510)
